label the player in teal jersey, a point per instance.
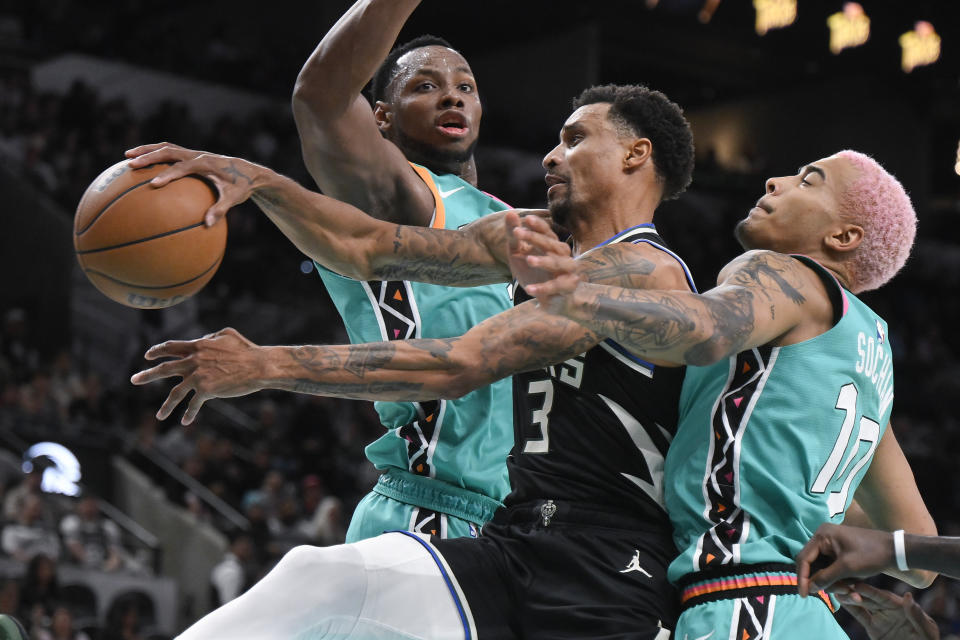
(444, 461)
(785, 415)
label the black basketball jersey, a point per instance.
(595, 429)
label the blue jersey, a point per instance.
(774, 441)
(462, 442)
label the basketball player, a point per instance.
(790, 397)
(443, 460)
(582, 546)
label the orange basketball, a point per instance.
(143, 246)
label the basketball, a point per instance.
(143, 246)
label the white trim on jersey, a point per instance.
(375, 305)
(633, 364)
(432, 446)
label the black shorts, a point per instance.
(586, 574)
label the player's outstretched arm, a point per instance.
(341, 143)
(226, 364)
(761, 296)
(337, 235)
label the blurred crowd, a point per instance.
(294, 469)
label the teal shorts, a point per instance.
(778, 617)
(402, 501)
(376, 514)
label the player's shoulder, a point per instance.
(636, 265)
(750, 265)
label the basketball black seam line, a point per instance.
(163, 286)
(120, 195)
(148, 238)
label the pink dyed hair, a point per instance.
(877, 202)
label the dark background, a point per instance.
(759, 105)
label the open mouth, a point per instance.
(452, 124)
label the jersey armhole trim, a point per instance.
(439, 220)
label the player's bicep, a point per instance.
(351, 161)
(767, 294)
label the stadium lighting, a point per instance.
(848, 28)
(920, 46)
(774, 14)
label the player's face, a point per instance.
(580, 169)
(798, 211)
(435, 108)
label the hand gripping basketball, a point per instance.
(233, 177)
(224, 364)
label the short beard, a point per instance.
(437, 160)
(740, 233)
(561, 212)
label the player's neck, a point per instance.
(466, 170)
(603, 222)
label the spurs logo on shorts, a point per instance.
(731, 414)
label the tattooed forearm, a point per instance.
(369, 357)
(317, 359)
(438, 256)
(357, 390)
(733, 323)
(672, 326)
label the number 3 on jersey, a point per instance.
(869, 432)
(541, 417)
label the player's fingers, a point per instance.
(175, 397)
(193, 408)
(167, 369)
(922, 623)
(809, 553)
(538, 224)
(146, 148)
(544, 243)
(553, 263)
(873, 596)
(859, 614)
(561, 285)
(171, 349)
(216, 213)
(163, 154)
(512, 222)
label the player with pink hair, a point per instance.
(877, 201)
(784, 410)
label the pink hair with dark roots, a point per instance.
(877, 202)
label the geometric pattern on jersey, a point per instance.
(754, 616)
(794, 450)
(719, 544)
(421, 436)
(596, 428)
(428, 521)
(463, 442)
(395, 309)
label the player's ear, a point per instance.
(845, 237)
(383, 114)
(638, 153)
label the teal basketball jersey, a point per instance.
(462, 442)
(774, 441)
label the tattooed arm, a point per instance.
(226, 364)
(761, 297)
(338, 235)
